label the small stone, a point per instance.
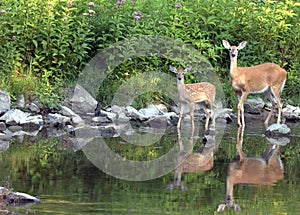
(278, 130)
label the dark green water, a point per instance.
(68, 183)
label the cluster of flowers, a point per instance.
(91, 12)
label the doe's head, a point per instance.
(233, 50)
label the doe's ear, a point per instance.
(187, 69)
(242, 45)
(226, 44)
(173, 69)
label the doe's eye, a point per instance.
(229, 49)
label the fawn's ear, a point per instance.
(242, 45)
(173, 69)
(187, 69)
(226, 44)
(221, 207)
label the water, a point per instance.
(68, 183)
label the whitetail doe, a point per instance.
(190, 94)
(269, 78)
(264, 170)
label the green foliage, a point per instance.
(53, 40)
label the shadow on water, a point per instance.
(254, 175)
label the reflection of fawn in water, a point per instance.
(264, 170)
(201, 160)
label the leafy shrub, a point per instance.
(54, 40)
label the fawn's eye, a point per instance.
(229, 49)
(237, 50)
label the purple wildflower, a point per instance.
(119, 3)
(91, 4)
(136, 18)
(187, 23)
(14, 37)
(3, 11)
(51, 4)
(137, 13)
(178, 5)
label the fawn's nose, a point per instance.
(233, 55)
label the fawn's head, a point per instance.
(233, 50)
(180, 73)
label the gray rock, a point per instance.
(254, 106)
(20, 103)
(55, 132)
(15, 128)
(123, 118)
(225, 114)
(110, 115)
(14, 117)
(82, 102)
(150, 111)
(100, 120)
(32, 107)
(160, 121)
(76, 119)
(2, 126)
(291, 113)
(54, 119)
(33, 123)
(134, 114)
(276, 130)
(4, 101)
(117, 109)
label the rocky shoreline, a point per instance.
(79, 111)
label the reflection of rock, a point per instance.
(279, 141)
(4, 145)
(16, 198)
(276, 130)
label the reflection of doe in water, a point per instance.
(189, 161)
(264, 170)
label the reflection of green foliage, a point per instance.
(69, 183)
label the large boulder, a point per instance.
(82, 102)
(4, 101)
